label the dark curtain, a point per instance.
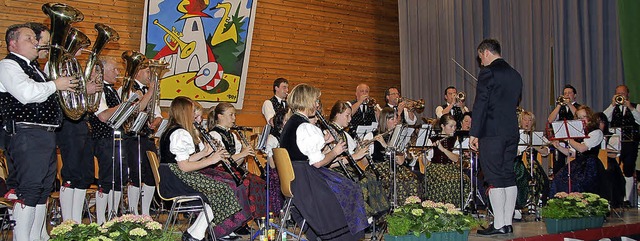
(551, 43)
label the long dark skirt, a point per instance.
(408, 183)
(586, 176)
(251, 193)
(375, 197)
(443, 183)
(227, 215)
(276, 199)
(332, 205)
(523, 178)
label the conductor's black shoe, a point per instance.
(626, 204)
(509, 229)
(187, 237)
(491, 230)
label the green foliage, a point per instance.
(424, 217)
(575, 205)
(125, 228)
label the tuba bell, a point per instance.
(61, 62)
(105, 35)
(134, 62)
(156, 68)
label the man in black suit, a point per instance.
(625, 115)
(494, 132)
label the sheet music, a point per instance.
(363, 130)
(537, 138)
(163, 127)
(423, 135)
(140, 121)
(395, 136)
(614, 143)
(262, 141)
(405, 137)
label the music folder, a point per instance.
(262, 141)
(567, 129)
(537, 138)
(424, 133)
(163, 127)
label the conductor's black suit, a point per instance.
(495, 122)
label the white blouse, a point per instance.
(310, 141)
(218, 137)
(181, 144)
(272, 142)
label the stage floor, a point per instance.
(531, 228)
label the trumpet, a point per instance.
(560, 100)
(460, 97)
(417, 105)
(371, 103)
(619, 99)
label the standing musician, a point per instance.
(330, 203)
(137, 157)
(374, 196)
(104, 146)
(408, 183)
(494, 132)
(455, 106)
(587, 171)
(221, 120)
(75, 146)
(526, 122)
(443, 175)
(278, 101)
(184, 155)
(31, 114)
(626, 116)
(362, 113)
(565, 110)
(406, 116)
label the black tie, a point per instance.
(284, 103)
(144, 89)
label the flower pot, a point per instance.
(449, 236)
(572, 224)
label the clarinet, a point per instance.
(350, 159)
(240, 132)
(227, 167)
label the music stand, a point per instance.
(116, 120)
(136, 127)
(461, 136)
(566, 130)
(531, 140)
(392, 147)
(361, 131)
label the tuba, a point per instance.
(156, 67)
(134, 61)
(63, 63)
(105, 35)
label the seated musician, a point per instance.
(443, 174)
(523, 170)
(375, 197)
(586, 170)
(220, 120)
(615, 192)
(332, 204)
(408, 183)
(183, 155)
(276, 199)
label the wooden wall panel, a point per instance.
(331, 44)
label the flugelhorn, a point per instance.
(460, 97)
(560, 100)
(619, 99)
(411, 104)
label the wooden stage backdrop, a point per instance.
(332, 44)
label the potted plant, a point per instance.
(428, 220)
(574, 211)
(124, 228)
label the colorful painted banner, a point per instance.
(206, 44)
